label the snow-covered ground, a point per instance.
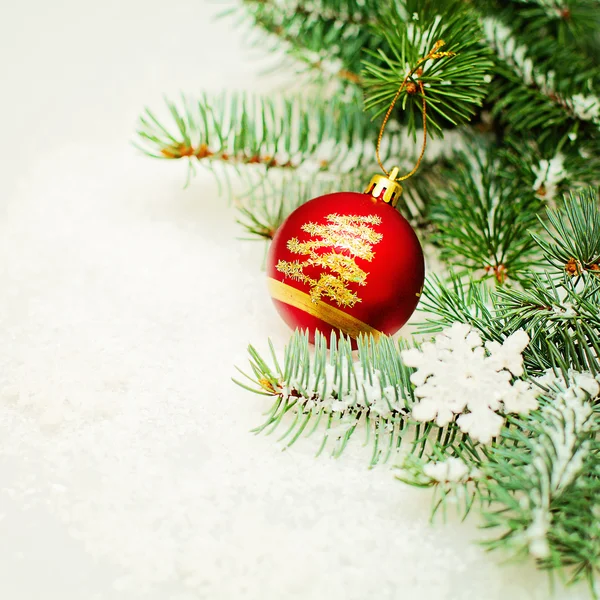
(127, 469)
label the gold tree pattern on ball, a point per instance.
(349, 237)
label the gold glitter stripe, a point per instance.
(332, 316)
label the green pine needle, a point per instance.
(454, 86)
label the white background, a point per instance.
(127, 469)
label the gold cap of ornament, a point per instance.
(388, 186)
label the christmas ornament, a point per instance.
(348, 262)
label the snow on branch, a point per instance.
(517, 55)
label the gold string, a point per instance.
(432, 54)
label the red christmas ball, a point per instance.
(347, 262)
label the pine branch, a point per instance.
(454, 86)
(572, 245)
(451, 300)
(484, 216)
(380, 391)
(559, 311)
(329, 38)
(563, 323)
(267, 205)
(542, 484)
(538, 483)
(566, 23)
(453, 479)
(351, 12)
(540, 90)
(282, 134)
(337, 395)
(549, 169)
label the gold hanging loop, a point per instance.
(432, 54)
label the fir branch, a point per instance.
(533, 93)
(262, 210)
(343, 395)
(329, 38)
(227, 129)
(538, 169)
(484, 217)
(541, 485)
(454, 86)
(381, 392)
(572, 245)
(563, 323)
(451, 300)
(240, 129)
(559, 310)
(538, 483)
(352, 12)
(570, 24)
(454, 479)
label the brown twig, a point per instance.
(203, 152)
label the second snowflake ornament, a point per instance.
(347, 262)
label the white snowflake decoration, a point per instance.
(459, 375)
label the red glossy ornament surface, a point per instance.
(346, 262)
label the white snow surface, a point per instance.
(127, 469)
